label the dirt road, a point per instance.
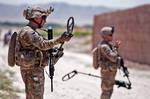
(82, 87)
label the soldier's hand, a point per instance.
(56, 49)
(65, 37)
(57, 55)
(117, 43)
(58, 52)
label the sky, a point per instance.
(108, 3)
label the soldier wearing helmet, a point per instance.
(34, 14)
(107, 51)
(31, 51)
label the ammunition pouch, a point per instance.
(28, 58)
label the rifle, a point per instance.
(124, 69)
(71, 74)
(51, 65)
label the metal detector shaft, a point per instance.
(75, 72)
(89, 74)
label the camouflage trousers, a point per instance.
(108, 81)
(34, 82)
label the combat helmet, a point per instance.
(107, 30)
(36, 12)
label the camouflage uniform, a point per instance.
(108, 56)
(28, 58)
(108, 69)
(32, 56)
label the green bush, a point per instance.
(44, 34)
(82, 34)
(76, 34)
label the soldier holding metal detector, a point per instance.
(55, 53)
(32, 52)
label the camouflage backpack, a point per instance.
(96, 57)
(19, 57)
(11, 50)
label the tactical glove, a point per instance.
(64, 37)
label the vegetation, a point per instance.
(57, 29)
(21, 24)
(82, 34)
(76, 34)
(15, 24)
(7, 90)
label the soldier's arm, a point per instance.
(36, 40)
(108, 53)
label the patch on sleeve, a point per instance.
(36, 38)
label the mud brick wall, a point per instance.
(132, 27)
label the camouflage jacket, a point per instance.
(109, 54)
(31, 48)
(105, 55)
